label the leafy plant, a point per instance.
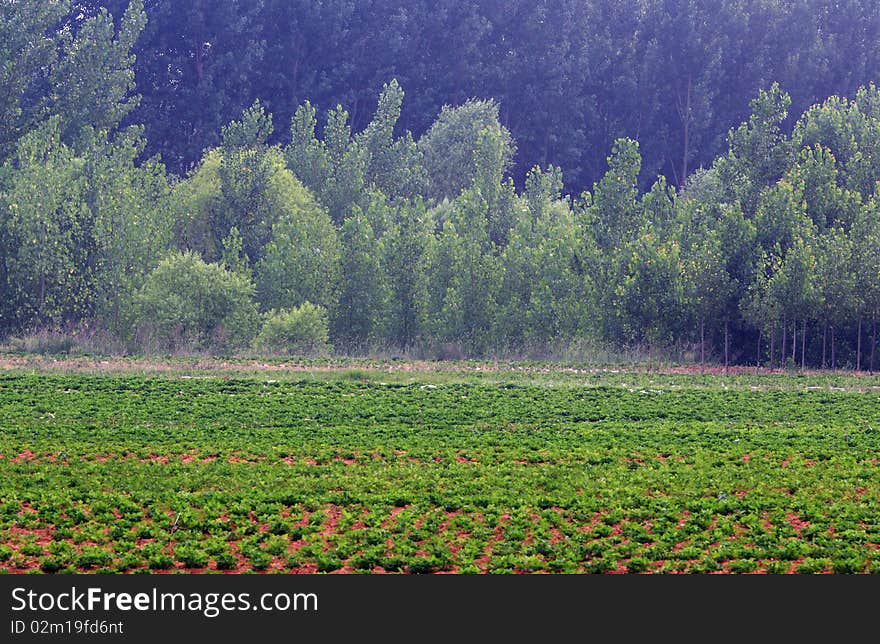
(303, 330)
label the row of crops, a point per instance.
(214, 474)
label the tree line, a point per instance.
(570, 76)
(322, 233)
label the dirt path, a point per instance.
(217, 366)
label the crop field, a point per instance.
(537, 470)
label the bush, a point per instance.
(191, 556)
(187, 303)
(303, 330)
(226, 561)
(51, 564)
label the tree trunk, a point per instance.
(793, 340)
(726, 344)
(873, 337)
(824, 344)
(784, 338)
(687, 131)
(42, 301)
(758, 354)
(803, 345)
(772, 345)
(859, 347)
(833, 354)
(702, 343)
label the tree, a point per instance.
(647, 297)
(250, 175)
(826, 202)
(797, 290)
(450, 147)
(78, 69)
(42, 210)
(613, 207)
(786, 289)
(333, 168)
(80, 230)
(836, 277)
(363, 289)
(706, 283)
(186, 303)
(463, 278)
(688, 41)
(866, 249)
(93, 81)
(245, 185)
(301, 261)
(407, 248)
(27, 52)
(302, 330)
(540, 297)
(758, 151)
(761, 306)
(393, 166)
(781, 217)
(848, 130)
(196, 70)
(126, 226)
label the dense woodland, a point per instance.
(296, 177)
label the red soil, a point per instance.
(796, 522)
(26, 455)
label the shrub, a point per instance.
(260, 559)
(422, 565)
(637, 564)
(191, 556)
(328, 563)
(301, 330)
(91, 557)
(226, 561)
(187, 303)
(160, 561)
(51, 564)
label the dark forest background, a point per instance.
(570, 76)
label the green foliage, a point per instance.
(83, 76)
(424, 242)
(392, 166)
(74, 250)
(93, 80)
(452, 148)
(333, 168)
(542, 469)
(27, 51)
(42, 213)
(244, 187)
(463, 278)
(408, 245)
(758, 151)
(186, 303)
(541, 296)
(246, 196)
(253, 130)
(302, 330)
(363, 293)
(301, 262)
(647, 300)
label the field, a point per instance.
(418, 468)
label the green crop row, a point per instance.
(163, 474)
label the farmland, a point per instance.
(369, 468)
